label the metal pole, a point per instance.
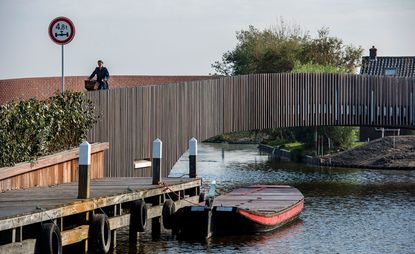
(63, 80)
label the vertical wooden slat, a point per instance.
(132, 117)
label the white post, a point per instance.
(192, 157)
(156, 163)
(84, 170)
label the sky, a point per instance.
(181, 37)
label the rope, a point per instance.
(45, 211)
(99, 207)
(181, 176)
(164, 184)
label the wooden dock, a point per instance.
(24, 211)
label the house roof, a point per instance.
(405, 65)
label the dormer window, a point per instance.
(390, 71)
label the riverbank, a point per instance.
(241, 137)
(386, 153)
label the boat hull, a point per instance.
(203, 222)
(241, 221)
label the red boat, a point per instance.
(247, 210)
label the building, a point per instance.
(400, 66)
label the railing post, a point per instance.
(156, 163)
(84, 172)
(192, 157)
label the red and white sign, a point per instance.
(61, 30)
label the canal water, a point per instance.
(346, 210)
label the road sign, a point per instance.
(61, 30)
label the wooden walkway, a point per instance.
(22, 211)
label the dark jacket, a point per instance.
(102, 77)
(102, 74)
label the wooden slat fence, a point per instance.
(131, 118)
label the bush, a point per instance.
(32, 128)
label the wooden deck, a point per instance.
(269, 197)
(22, 210)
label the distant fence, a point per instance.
(131, 118)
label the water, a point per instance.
(346, 210)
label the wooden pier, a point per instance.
(24, 212)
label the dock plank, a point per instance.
(18, 207)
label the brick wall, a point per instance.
(42, 88)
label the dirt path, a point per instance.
(388, 153)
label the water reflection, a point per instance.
(346, 210)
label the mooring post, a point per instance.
(156, 163)
(84, 170)
(155, 228)
(192, 157)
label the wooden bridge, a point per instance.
(131, 118)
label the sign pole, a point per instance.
(63, 79)
(61, 31)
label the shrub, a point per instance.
(32, 128)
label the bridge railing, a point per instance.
(132, 117)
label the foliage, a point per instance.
(317, 68)
(342, 137)
(277, 49)
(293, 145)
(33, 128)
(302, 138)
(235, 137)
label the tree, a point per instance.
(277, 50)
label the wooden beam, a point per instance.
(74, 235)
(80, 233)
(24, 247)
(47, 161)
(79, 206)
(142, 163)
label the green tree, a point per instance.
(277, 50)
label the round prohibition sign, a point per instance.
(61, 30)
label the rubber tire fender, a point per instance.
(100, 234)
(169, 208)
(138, 218)
(50, 240)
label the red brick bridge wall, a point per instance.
(42, 88)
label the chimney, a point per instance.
(372, 53)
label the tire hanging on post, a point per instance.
(100, 234)
(50, 240)
(168, 214)
(138, 218)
